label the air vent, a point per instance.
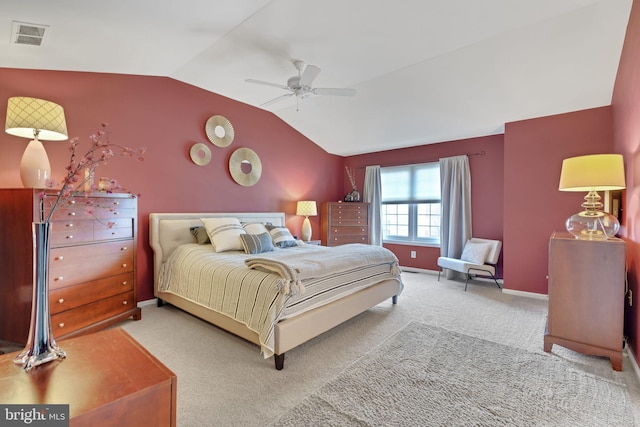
(29, 34)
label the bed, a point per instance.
(295, 308)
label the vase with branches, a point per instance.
(41, 346)
(354, 195)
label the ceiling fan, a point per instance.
(300, 85)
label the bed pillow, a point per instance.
(256, 243)
(255, 228)
(200, 233)
(281, 236)
(224, 233)
(475, 252)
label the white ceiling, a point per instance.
(425, 70)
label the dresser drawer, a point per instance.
(86, 315)
(121, 228)
(345, 220)
(120, 203)
(336, 240)
(71, 232)
(349, 230)
(75, 296)
(76, 264)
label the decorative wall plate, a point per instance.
(245, 167)
(200, 154)
(219, 131)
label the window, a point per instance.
(411, 203)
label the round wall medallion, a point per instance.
(219, 131)
(245, 167)
(200, 154)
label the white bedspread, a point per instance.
(252, 296)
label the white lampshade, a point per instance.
(40, 120)
(307, 208)
(592, 173)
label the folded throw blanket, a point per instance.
(295, 264)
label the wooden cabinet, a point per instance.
(586, 296)
(91, 264)
(344, 223)
(107, 379)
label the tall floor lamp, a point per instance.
(40, 120)
(306, 209)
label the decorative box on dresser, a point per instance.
(343, 223)
(92, 272)
(586, 296)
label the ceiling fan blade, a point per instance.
(260, 82)
(274, 100)
(334, 91)
(308, 75)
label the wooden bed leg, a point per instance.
(394, 299)
(160, 302)
(279, 359)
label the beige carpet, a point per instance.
(427, 375)
(223, 380)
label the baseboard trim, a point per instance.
(148, 302)
(633, 360)
(533, 295)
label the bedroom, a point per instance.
(515, 181)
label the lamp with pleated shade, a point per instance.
(306, 209)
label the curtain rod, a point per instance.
(479, 153)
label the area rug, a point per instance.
(429, 376)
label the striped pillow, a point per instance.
(281, 237)
(256, 243)
(224, 233)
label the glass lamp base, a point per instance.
(592, 225)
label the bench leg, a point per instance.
(279, 360)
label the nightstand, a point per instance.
(107, 379)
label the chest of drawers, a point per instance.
(344, 223)
(92, 268)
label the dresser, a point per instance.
(343, 223)
(107, 379)
(92, 272)
(586, 296)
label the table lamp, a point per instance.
(306, 208)
(592, 173)
(40, 120)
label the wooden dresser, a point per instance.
(108, 379)
(92, 270)
(586, 296)
(343, 223)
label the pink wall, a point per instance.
(626, 126)
(486, 187)
(533, 206)
(168, 117)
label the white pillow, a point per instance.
(224, 233)
(475, 252)
(282, 237)
(255, 228)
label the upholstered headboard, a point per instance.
(167, 231)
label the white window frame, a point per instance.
(410, 192)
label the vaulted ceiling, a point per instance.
(425, 71)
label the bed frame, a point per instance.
(169, 230)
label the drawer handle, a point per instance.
(70, 236)
(125, 302)
(124, 265)
(72, 214)
(124, 248)
(57, 279)
(59, 258)
(124, 283)
(61, 300)
(116, 213)
(69, 225)
(61, 325)
(113, 233)
(72, 202)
